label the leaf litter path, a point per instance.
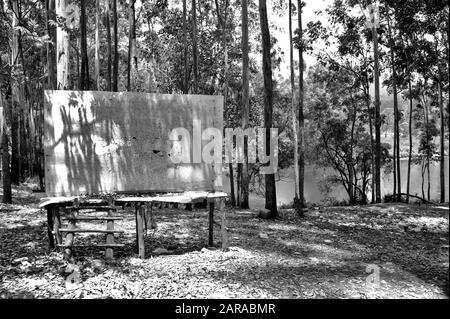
(324, 255)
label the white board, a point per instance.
(106, 142)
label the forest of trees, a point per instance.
(329, 114)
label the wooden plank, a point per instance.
(55, 200)
(183, 198)
(115, 245)
(140, 231)
(61, 200)
(134, 200)
(93, 218)
(80, 230)
(95, 208)
(211, 224)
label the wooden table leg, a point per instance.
(140, 230)
(57, 224)
(109, 253)
(211, 223)
(223, 228)
(51, 241)
(70, 237)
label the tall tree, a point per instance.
(397, 175)
(84, 74)
(194, 45)
(294, 113)
(97, 44)
(115, 79)
(408, 180)
(377, 172)
(270, 187)
(51, 33)
(245, 103)
(62, 48)
(301, 148)
(185, 51)
(222, 17)
(16, 106)
(442, 137)
(108, 40)
(132, 59)
(6, 157)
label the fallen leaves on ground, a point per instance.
(323, 255)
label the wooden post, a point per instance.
(51, 241)
(145, 217)
(211, 223)
(57, 224)
(152, 218)
(109, 254)
(70, 236)
(140, 230)
(223, 228)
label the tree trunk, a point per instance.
(351, 172)
(97, 44)
(62, 49)
(115, 80)
(238, 183)
(298, 208)
(51, 67)
(442, 136)
(377, 117)
(245, 102)
(408, 181)
(194, 45)
(84, 76)
(397, 171)
(6, 158)
(108, 40)
(372, 158)
(301, 151)
(270, 188)
(132, 59)
(16, 72)
(428, 155)
(185, 51)
(222, 22)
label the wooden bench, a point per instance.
(142, 208)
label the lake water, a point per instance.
(313, 176)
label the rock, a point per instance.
(328, 241)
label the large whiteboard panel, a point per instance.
(119, 141)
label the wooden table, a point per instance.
(54, 204)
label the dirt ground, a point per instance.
(375, 251)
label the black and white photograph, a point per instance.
(224, 157)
